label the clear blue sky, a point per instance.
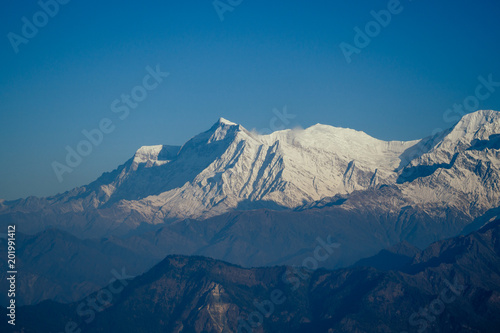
(263, 55)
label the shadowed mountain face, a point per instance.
(452, 286)
(397, 257)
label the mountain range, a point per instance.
(260, 200)
(228, 168)
(451, 286)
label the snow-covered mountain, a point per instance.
(229, 168)
(462, 169)
(265, 200)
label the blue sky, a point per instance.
(263, 55)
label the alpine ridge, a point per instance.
(228, 168)
(257, 200)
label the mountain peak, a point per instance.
(226, 122)
(146, 153)
(481, 114)
(155, 155)
(475, 120)
(479, 125)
